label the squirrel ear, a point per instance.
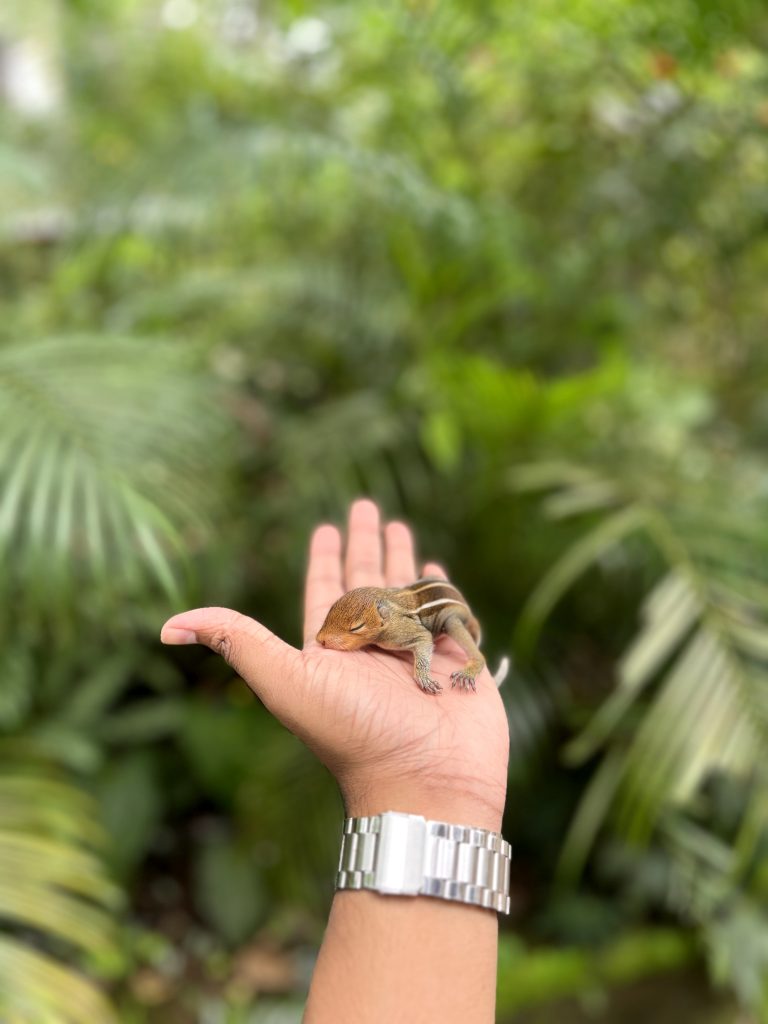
(384, 609)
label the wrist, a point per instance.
(477, 809)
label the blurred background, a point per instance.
(499, 266)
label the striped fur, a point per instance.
(407, 618)
(442, 600)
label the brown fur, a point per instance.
(350, 610)
(406, 618)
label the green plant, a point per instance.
(688, 704)
(245, 278)
(100, 463)
(99, 467)
(56, 902)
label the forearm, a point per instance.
(402, 958)
(408, 958)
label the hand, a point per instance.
(389, 745)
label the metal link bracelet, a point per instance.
(408, 855)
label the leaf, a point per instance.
(585, 497)
(738, 952)
(97, 690)
(143, 721)
(16, 686)
(228, 889)
(690, 703)
(670, 611)
(574, 563)
(542, 475)
(36, 987)
(52, 885)
(108, 440)
(532, 711)
(66, 745)
(128, 791)
(667, 762)
(441, 437)
(37, 803)
(590, 815)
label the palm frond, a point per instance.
(668, 613)
(109, 449)
(690, 697)
(532, 709)
(351, 448)
(587, 550)
(707, 887)
(236, 161)
(296, 297)
(54, 896)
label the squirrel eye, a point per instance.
(356, 629)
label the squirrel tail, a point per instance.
(501, 672)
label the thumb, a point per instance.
(266, 663)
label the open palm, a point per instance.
(390, 745)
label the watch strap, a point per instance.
(409, 855)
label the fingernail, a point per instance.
(174, 635)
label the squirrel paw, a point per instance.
(464, 680)
(429, 686)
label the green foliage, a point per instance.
(451, 255)
(229, 889)
(241, 758)
(531, 977)
(55, 899)
(128, 790)
(94, 483)
(688, 705)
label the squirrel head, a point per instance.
(355, 620)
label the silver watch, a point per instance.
(408, 855)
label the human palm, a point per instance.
(390, 745)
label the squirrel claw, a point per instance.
(464, 680)
(429, 686)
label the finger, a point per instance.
(399, 563)
(362, 566)
(433, 569)
(266, 663)
(324, 585)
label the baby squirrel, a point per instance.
(407, 618)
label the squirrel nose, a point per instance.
(321, 641)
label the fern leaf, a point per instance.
(109, 439)
(55, 888)
(695, 675)
(36, 987)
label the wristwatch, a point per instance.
(409, 855)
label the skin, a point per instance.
(391, 747)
